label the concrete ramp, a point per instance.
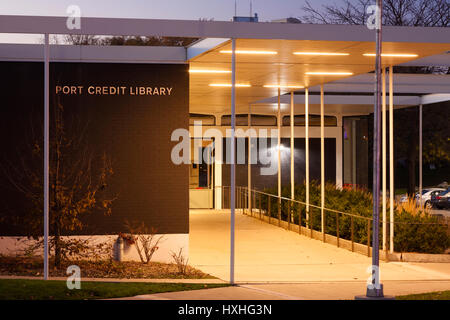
(267, 253)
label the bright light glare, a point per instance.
(283, 86)
(238, 85)
(249, 52)
(208, 71)
(322, 53)
(393, 55)
(329, 73)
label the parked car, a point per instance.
(442, 200)
(405, 198)
(426, 196)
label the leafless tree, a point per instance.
(145, 240)
(425, 13)
(78, 180)
(83, 39)
(417, 13)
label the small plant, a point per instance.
(411, 207)
(145, 240)
(181, 261)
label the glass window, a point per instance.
(206, 119)
(314, 120)
(256, 120)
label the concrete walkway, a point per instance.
(266, 253)
(298, 291)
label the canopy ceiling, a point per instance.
(286, 68)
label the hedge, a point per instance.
(415, 230)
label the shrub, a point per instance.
(415, 229)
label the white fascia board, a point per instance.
(435, 98)
(439, 60)
(403, 83)
(111, 54)
(220, 29)
(204, 45)
(342, 100)
(418, 88)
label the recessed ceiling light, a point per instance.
(393, 55)
(322, 53)
(208, 71)
(249, 52)
(283, 86)
(238, 85)
(329, 73)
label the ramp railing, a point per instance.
(345, 230)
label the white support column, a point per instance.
(279, 143)
(233, 162)
(292, 146)
(322, 162)
(46, 150)
(420, 154)
(307, 152)
(249, 168)
(391, 159)
(383, 156)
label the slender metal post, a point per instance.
(46, 150)
(260, 209)
(249, 168)
(279, 155)
(391, 159)
(352, 235)
(307, 151)
(383, 157)
(289, 215)
(322, 162)
(420, 153)
(376, 289)
(299, 220)
(337, 229)
(292, 146)
(233, 164)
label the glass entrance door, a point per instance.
(201, 175)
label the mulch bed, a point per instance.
(33, 266)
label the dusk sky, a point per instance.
(219, 10)
(170, 9)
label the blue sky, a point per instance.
(219, 10)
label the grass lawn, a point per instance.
(440, 295)
(17, 289)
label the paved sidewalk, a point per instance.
(303, 291)
(266, 253)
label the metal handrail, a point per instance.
(243, 193)
(328, 209)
